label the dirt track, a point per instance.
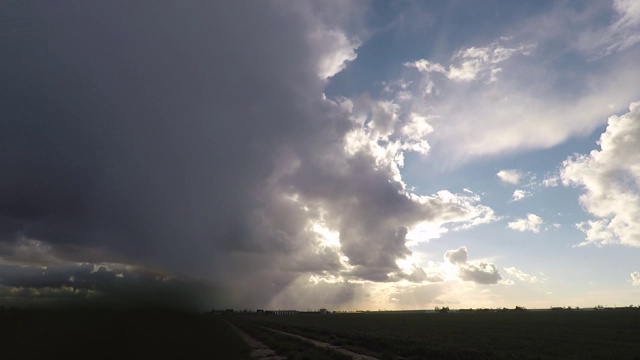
(321, 344)
(259, 350)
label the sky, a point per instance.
(349, 155)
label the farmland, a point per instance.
(479, 335)
(116, 334)
(76, 333)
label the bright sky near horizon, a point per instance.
(305, 154)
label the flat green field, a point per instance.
(610, 334)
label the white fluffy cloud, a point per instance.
(510, 176)
(472, 63)
(414, 132)
(635, 278)
(342, 51)
(334, 31)
(551, 181)
(522, 276)
(610, 178)
(520, 194)
(531, 223)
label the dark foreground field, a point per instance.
(500, 335)
(146, 334)
(110, 334)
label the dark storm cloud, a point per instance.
(482, 273)
(193, 138)
(138, 122)
(147, 129)
(64, 285)
(458, 256)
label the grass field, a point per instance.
(489, 335)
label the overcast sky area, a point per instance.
(320, 154)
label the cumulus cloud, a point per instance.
(551, 181)
(335, 32)
(531, 223)
(480, 273)
(458, 256)
(522, 276)
(610, 178)
(419, 275)
(635, 278)
(426, 66)
(341, 50)
(414, 133)
(510, 176)
(520, 194)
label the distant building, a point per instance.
(285, 312)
